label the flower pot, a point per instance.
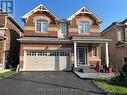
(110, 70)
(97, 69)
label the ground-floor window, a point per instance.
(94, 50)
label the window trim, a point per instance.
(60, 26)
(96, 51)
(41, 30)
(83, 31)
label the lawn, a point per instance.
(7, 74)
(113, 89)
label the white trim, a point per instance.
(36, 9)
(87, 59)
(106, 54)
(75, 54)
(63, 49)
(63, 35)
(79, 11)
(3, 28)
(41, 27)
(85, 27)
(24, 65)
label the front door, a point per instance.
(82, 56)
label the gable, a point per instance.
(40, 15)
(84, 10)
(40, 8)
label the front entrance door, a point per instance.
(82, 56)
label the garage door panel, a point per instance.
(47, 60)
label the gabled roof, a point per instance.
(124, 22)
(117, 23)
(4, 13)
(41, 7)
(85, 10)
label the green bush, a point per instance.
(122, 78)
(124, 69)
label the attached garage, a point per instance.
(43, 60)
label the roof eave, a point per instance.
(24, 18)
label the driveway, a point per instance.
(47, 83)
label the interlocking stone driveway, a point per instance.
(47, 83)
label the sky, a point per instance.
(108, 10)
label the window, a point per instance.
(41, 25)
(84, 27)
(63, 28)
(94, 50)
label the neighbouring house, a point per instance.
(10, 31)
(118, 47)
(54, 44)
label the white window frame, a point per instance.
(84, 32)
(60, 29)
(41, 26)
(93, 51)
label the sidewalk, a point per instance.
(93, 75)
(4, 70)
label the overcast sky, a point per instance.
(108, 10)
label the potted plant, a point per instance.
(97, 67)
(110, 68)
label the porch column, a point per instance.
(106, 54)
(75, 54)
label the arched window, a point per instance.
(41, 25)
(84, 27)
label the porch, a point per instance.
(87, 51)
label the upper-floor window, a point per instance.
(63, 28)
(84, 27)
(41, 25)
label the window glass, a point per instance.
(41, 25)
(94, 51)
(84, 27)
(63, 28)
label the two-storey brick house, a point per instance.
(10, 31)
(117, 31)
(51, 43)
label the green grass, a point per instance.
(7, 74)
(113, 89)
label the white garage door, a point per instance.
(47, 60)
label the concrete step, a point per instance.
(85, 69)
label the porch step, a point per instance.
(85, 69)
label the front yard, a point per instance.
(7, 74)
(113, 89)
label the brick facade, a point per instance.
(9, 49)
(30, 31)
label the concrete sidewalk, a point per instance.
(4, 70)
(93, 75)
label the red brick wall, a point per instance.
(29, 28)
(2, 20)
(91, 60)
(1, 52)
(30, 23)
(94, 27)
(13, 46)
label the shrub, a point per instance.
(124, 69)
(122, 78)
